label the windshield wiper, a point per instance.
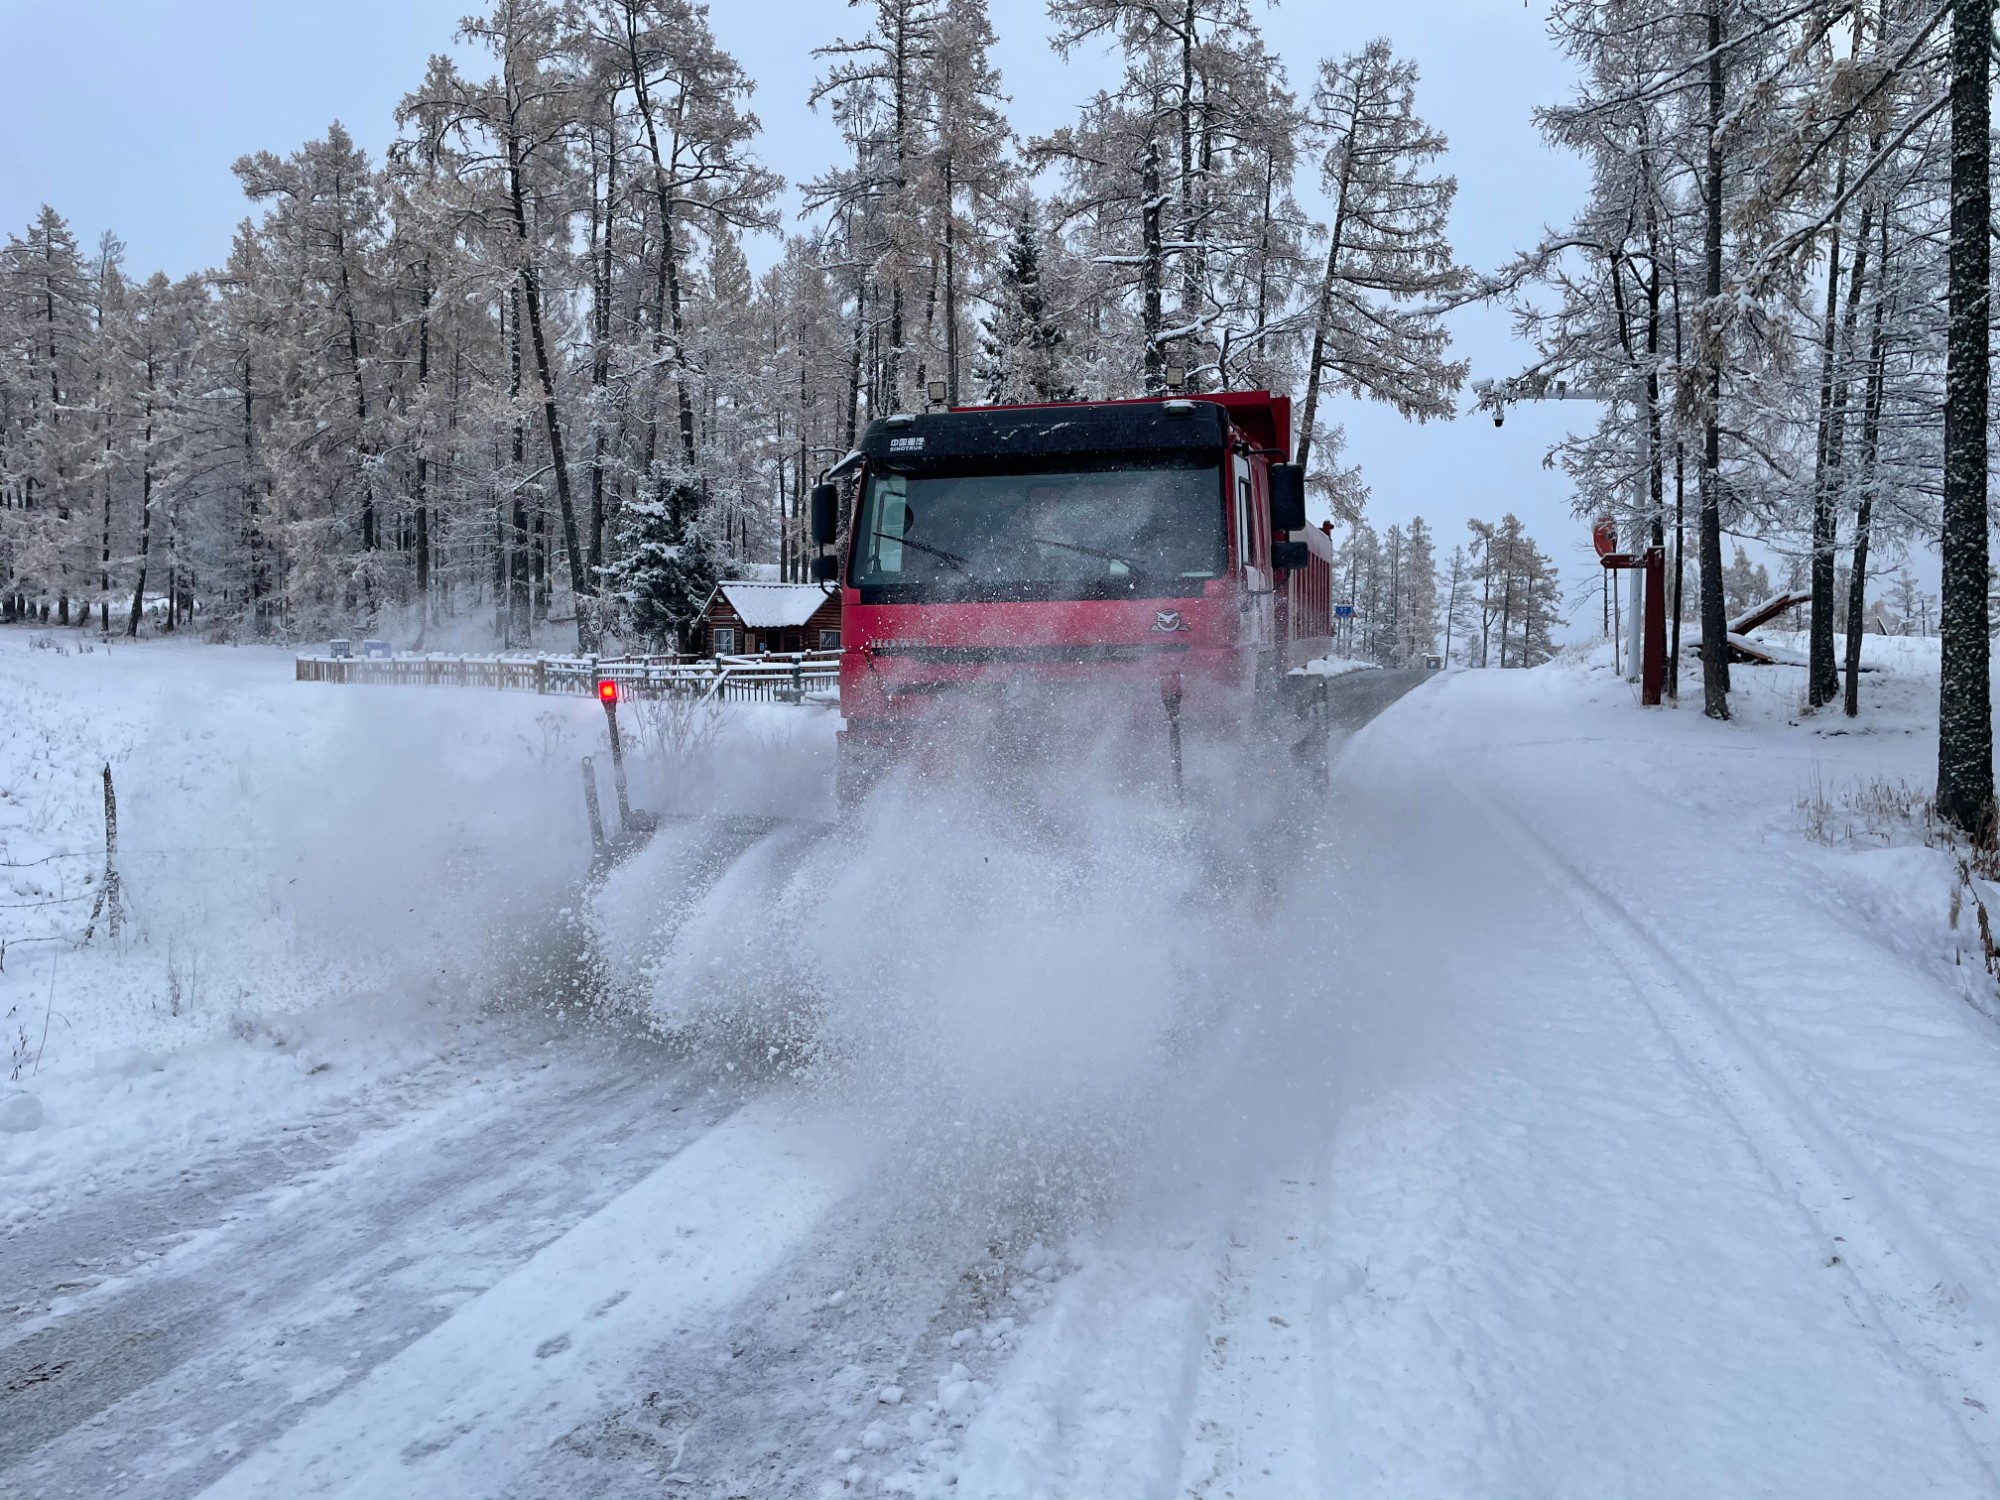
(1110, 557)
(950, 559)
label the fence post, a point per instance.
(590, 804)
(542, 675)
(610, 702)
(110, 901)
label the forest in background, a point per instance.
(520, 376)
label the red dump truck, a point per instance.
(1152, 553)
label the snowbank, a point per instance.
(1334, 666)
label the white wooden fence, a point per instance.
(785, 678)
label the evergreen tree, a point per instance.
(1021, 344)
(667, 571)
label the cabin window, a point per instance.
(829, 640)
(725, 640)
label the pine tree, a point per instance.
(666, 574)
(1021, 344)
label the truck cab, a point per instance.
(1157, 543)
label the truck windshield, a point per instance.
(1112, 528)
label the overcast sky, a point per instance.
(125, 115)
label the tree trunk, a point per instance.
(1151, 268)
(363, 452)
(145, 513)
(510, 584)
(1822, 681)
(1714, 616)
(669, 295)
(422, 495)
(1323, 314)
(950, 290)
(1965, 710)
(104, 554)
(600, 365)
(854, 359)
(1871, 434)
(586, 634)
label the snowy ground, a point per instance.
(1581, 1102)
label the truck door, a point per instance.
(1253, 552)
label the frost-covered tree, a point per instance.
(1175, 192)
(47, 446)
(1750, 286)
(1021, 341)
(874, 88)
(962, 180)
(512, 134)
(1461, 616)
(1376, 322)
(1417, 598)
(665, 573)
(1744, 584)
(1520, 600)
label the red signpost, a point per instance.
(1604, 536)
(1653, 564)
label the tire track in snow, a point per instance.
(298, 1286)
(1920, 1298)
(148, 1211)
(1254, 1427)
(463, 1409)
(856, 1363)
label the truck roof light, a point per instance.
(1179, 408)
(901, 419)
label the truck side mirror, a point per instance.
(1288, 497)
(826, 569)
(1289, 557)
(825, 514)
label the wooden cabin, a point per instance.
(745, 618)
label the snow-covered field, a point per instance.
(1581, 1101)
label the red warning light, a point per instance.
(608, 690)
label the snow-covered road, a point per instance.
(1574, 1128)
(1593, 1240)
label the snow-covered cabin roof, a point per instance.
(772, 606)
